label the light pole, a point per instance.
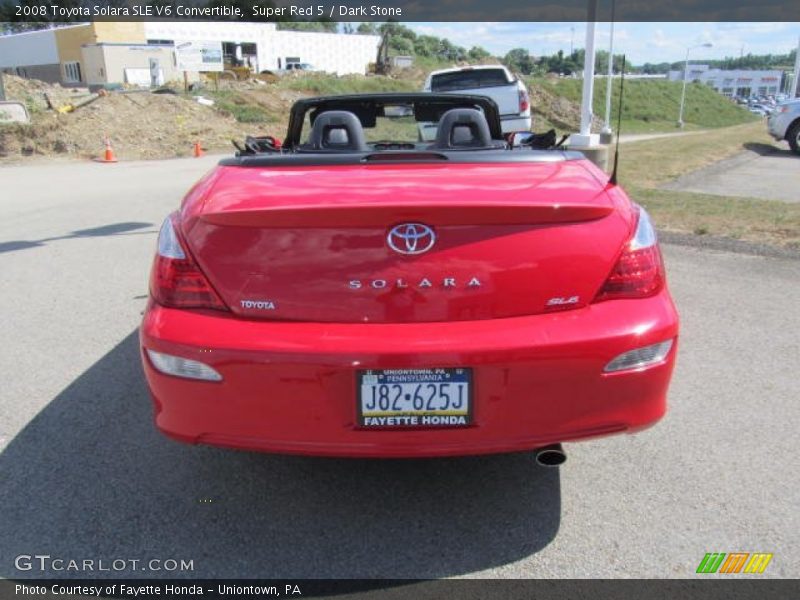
(794, 92)
(588, 80)
(607, 127)
(686, 77)
(585, 141)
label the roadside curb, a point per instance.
(726, 244)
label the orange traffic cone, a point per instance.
(198, 150)
(108, 154)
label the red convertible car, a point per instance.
(352, 292)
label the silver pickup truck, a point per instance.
(494, 81)
(784, 123)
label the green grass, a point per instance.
(33, 107)
(653, 105)
(770, 222)
(241, 109)
(431, 63)
(650, 163)
(329, 85)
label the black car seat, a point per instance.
(461, 128)
(337, 131)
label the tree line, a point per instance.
(406, 42)
(749, 61)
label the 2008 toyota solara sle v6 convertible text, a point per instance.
(357, 292)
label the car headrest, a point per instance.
(337, 130)
(463, 128)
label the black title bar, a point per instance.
(399, 10)
(698, 588)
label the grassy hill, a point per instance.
(652, 105)
(323, 84)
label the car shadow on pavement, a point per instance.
(769, 150)
(125, 228)
(90, 478)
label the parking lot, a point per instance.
(761, 171)
(83, 473)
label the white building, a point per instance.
(109, 52)
(263, 47)
(739, 82)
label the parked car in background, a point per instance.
(765, 108)
(300, 67)
(292, 67)
(784, 124)
(494, 81)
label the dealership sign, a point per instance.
(199, 56)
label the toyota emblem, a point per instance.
(411, 238)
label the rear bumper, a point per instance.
(291, 387)
(773, 130)
(777, 126)
(508, 124)
(512, 123)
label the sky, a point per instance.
(642, 42)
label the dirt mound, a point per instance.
(139, 124)
(561, 112)
(32, 92)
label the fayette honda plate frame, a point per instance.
(401, 398)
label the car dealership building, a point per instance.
(739, 82)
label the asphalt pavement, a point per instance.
(765, 171)
(641, 137)
(84, 475)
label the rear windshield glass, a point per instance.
(467, 80)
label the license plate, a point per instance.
(415, 398)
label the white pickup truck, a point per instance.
(494, 81)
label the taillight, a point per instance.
(640, 357)
(182, 367)
(639, 271)
(176, 280)
(524, 101)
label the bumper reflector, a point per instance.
(639, 358)
(182, 367)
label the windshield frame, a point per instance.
(371, 102)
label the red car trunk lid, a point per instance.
(298, 243)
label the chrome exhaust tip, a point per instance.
(551, 456)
